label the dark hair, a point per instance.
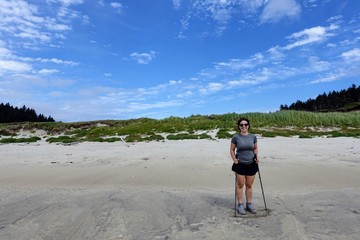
(243, 119)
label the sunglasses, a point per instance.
(244, 125)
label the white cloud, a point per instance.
(185, 94)
(239, 64)
(330, 77)
(240, 83)
(5, 53)
(13, 66)
(211, 88)
(34, 35)
(276, 54)
(215, 86)
(135, 106)
(253, 6)
(45, 71)
(176, 3)
(221, 12)
(310, 3)
(254, 78)
(174, 82)
(317, 65)
(310, 35)
(57, 61)
(275, 10)
(65, 14)
(52, 24)
(48, 60)
(117, 6)
(331, 45)
(143, 58)
(67, 2)
(23, 25)
(352, 55)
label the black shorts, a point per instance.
(245, 169)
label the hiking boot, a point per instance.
(241, 209)
(250, 208)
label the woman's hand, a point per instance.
(236, 161)
(256, 159)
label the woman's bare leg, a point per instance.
(240, 186)
(249, 180)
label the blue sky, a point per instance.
(80, 60)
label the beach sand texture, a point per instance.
(178, 190)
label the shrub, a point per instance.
(62, 139)
(154, 137)
(304, 135)
(20, 140)
(182, 136)
(223, 134)
(112, 139)
(5, 132)
(133, 138)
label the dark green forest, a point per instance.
(10, 114)
(341, 101)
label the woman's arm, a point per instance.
(256, 150)
(232, 153)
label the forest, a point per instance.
(10, 114)
(335, 101)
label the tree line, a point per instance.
(332, 101)
(9, 114)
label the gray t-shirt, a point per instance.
(244, 147)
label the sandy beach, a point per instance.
(178, 190)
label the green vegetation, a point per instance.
(182, 136)
(350, 106)
(20, 140)
(61, 139)
(224, 133)
(5, 132)
(142, 138)
(282, 123)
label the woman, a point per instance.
(245, 163)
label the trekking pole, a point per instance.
(262, 189)
(235, 191)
